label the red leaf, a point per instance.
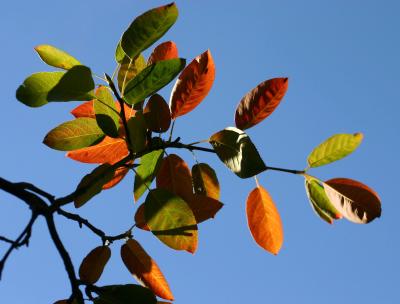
(84, 110)
(260, 102)
(164, 51)
(193, 85)
(142, 266)
(264, 220)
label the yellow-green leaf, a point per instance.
(56, 57)
(129, 69)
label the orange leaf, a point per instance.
(364, 205)
(142, 266)
(93, 264)
(109, 150)
(204, 207)
(174, 175)
(264, 220)
(84, 110)
(260, 102)
(164, 51)
(193, 85)
(119, 175)
(157, 114)
(140, 220)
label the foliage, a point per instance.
(125, 126)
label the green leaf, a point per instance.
(148, 28)
(334, 148)
(106, 112)
(171, 220)
(119, 53)
(129, 69)
(152, 79)
(137, 132)
(146, 172)
(74, 134)
(93, 183)
(56, 57)
(41, 88)
(235, 149)
(124, 294)
(320, 201)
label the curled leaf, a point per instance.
(193, 85)
(260, 102)
(145, 269)
(264, 220)
(93, 264)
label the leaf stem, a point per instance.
(285, 170)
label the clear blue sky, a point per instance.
(342, 60)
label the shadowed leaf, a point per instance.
(129, 69)
(204, 207)
(193, 85)
(235, 149)
(124, 294)
(260, 102)
(171, 220)
(147, 29)
(264, 220)
(164, 51)
(140, 219)
(157, 114)
(137, 132)
(152, 79)
(93, 264)
(205, 181)
(119, 175)
(106, 113)
(174, 175)
(334, 148)
(146, 172)
(355, 201)
(93, 183)
(145, 269)
(74, 134)
(56, 57)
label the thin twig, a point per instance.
(286, 170)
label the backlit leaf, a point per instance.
(334, 148)
(174, 175)
(146, 172)
(260, 102)
(235, 149)
(148, 28)
(84, 110)
(205, 181)
(355, 201)
(137, 132)
(119, 53)
(145, 269)
(152, 79)
(164, 51)
(93, 264)
(204, 207)
(264, 220)
(56, 57)
(109, 150)
(193, 85)
(320, 201)
(74, 134)
(171, 220)
(41, 88)
(93, 183)
(106, 112)
(119, 175)
(129, 69)
(140, 219)
(124, 294)
(157, 114)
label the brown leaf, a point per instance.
(193, 85)
(264, 220)
(164, 51)
(157, 114)
(140, 220)
(354, 200)
(174, 176)
(142, 266)
(93, 264)
(204, 207)
(260, 102)
(109, 150)
(205, 181)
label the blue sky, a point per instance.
(342, 60)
